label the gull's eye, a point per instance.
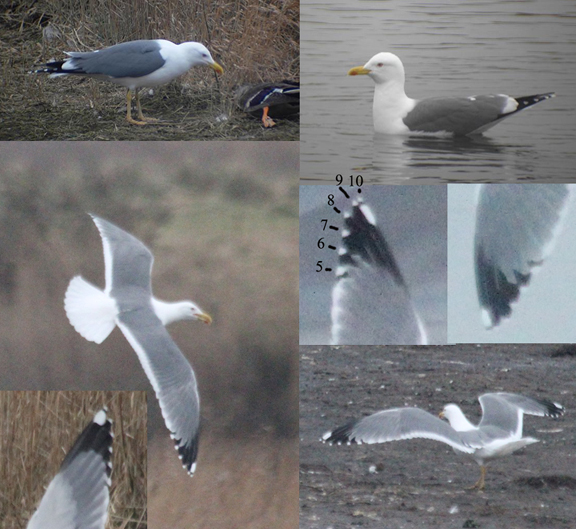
(380, 64)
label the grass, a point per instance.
(37, 428)
(254, 40)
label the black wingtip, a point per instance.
(188, 453)
(96, 437)
(553, 409)
(528, 101)
(341, 435)
(495, 292)
(366, 242)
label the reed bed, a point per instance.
(37, 428)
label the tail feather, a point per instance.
(59, 68)
(90, 311)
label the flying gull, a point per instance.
(371, 304)
(127, 301)
(78, 496)
(133, 65)
(395, 113)
(516, 226)
(498, 434)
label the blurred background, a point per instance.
(221, 219)
(38, 428)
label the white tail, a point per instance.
(90, 311)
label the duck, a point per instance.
(268, 100)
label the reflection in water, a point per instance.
(429, 159)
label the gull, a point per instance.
(396, 113)
(127, 302)
(134, 64)
(516, 227)
(78, 496)
(498, 434)
(371, 304)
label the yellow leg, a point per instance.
(129, 117)
(266, 119)
(139, 108)
(480, 483)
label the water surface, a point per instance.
(453, 48)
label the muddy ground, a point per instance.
(422, 483)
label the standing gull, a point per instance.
(516, 226)
(395, 113)
(498, 434)
(127, 301)
(371, 304)
(78, 496)
(133, 65)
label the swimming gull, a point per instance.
(133, 65)
(371, 303)
(516, 226)
(498, 434)
(78, 496)
(269, 100)
(395, 113)
(127, 301)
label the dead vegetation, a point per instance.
(37, 428)
(254, 40)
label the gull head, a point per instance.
(181, 310)
(198, 54)
(453, 414)
(191, 311)
(382, 68)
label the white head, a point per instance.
(456, 418)
(191, 311)
(180, 310)
(198, 55)
(382, 68)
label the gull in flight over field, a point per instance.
(396, 113)
(78, 496)
(127, 301)
(498, 434)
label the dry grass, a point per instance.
(37, 428)
(254, 40)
